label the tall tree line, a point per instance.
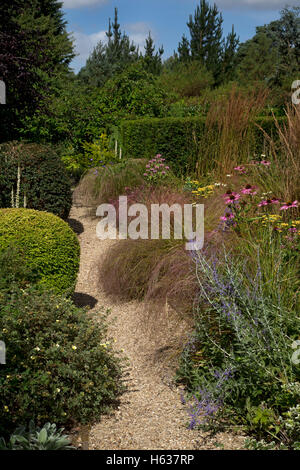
(35, 50)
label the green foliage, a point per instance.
(272, 56)
(256, 60)
(72, 115)
(152, 61)
(94, 154)
(206, 36)
(43, 180)
(184, 141)
(133, 93)
(14, 270)
(48, 244)
(186, 80)
(109, 60)
(185, 108)
(35, 438)
(40, 47)
(60, 365)
(175, 139)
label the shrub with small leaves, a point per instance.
(60, 366)
(48, 246)
(37, 171)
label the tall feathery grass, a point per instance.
(228, 139)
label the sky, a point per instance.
(166, 19)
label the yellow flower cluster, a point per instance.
(280, 226)
(271, 218)
(205, 192)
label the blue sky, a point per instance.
(166, 19)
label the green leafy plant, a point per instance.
(47, 437)
(60, 365)
(94, 154)
(36, 176)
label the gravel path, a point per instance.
(150, 415)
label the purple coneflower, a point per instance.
(265, 163)
(231, 197)
(268, 202)
(249, 190)
(240, 169)
(289, 205)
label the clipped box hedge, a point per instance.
(49, 246)
(177, 139)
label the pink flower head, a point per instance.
(289, 205)
(249, 190)
(240, 169)
(167, 167)
(158, 155)
(265, 163)
(231, 197)
(293, 229)
(263, 203)
(227, 216)
(145, 174)
(268, 202)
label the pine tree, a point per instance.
(111, 58)
(184, 54)
(152, 60)
(229, 55)
(206, 36)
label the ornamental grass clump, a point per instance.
(103, 184)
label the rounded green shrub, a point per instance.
(60, 365)
(43, 182)
(49, 246)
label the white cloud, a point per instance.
(255, 4)
(82, 3)
(84, 45)
(138, 33)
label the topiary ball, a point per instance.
(50, 247)
(43, 178)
